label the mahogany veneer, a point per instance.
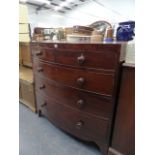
(76, 87)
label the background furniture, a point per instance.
(123, 139)
(24, 37)
(26, 88)
(25, 54)
(26, 82)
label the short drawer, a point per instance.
(76, 123)
(90, 80)
(43, 54)
(79, 100)
(79, 55)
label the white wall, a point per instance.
(44, 18)
(112, 11)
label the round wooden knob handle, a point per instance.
(44, 104)
(80, 81)
(80, 103)
(79, 124)
(42, 86)
(81, 59)
(39, 69)
(39, 53)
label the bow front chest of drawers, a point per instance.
(76, 87)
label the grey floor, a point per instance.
(37, 136)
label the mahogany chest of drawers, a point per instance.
(76, 87)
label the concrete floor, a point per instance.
(37, 136)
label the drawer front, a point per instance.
(88, 59)
(83, 55)
(74, 122)
(94, 81)
(43, 54)
(85, 102)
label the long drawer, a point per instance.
(82, 55)
(79, 124)
(79, 100)
(91, 80)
